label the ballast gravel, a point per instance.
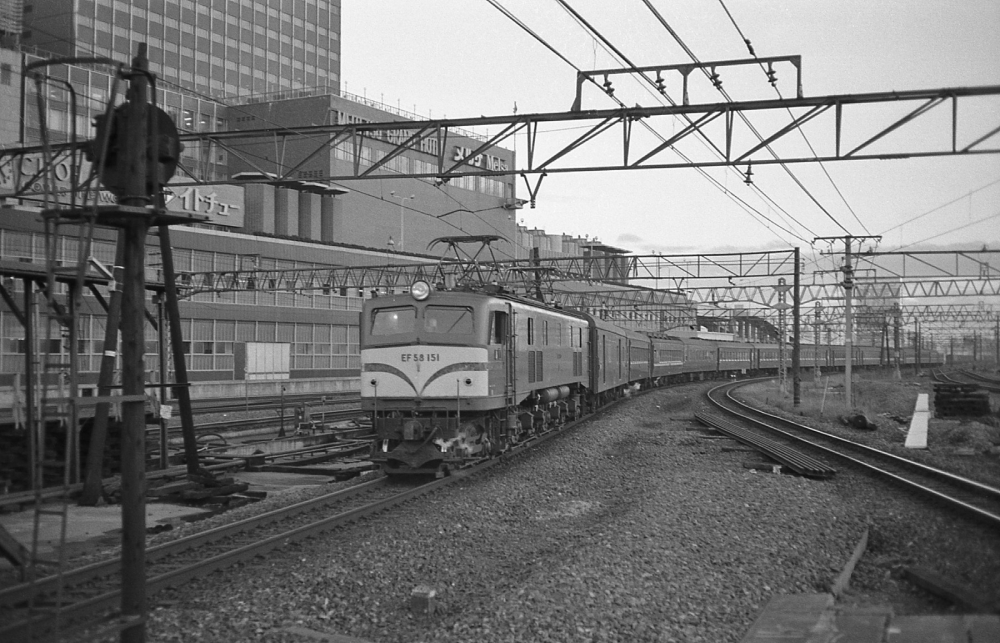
(634, 526)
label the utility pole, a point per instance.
(782, 305)
(896, 323)
(848, 284)
(140, 157)
(135, 193)
(796, 332)
(817, 330)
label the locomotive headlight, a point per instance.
(420, 290)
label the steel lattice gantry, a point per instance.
(626, 277)
(628, 282)
(549, 153)
(765, 295)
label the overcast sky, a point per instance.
(461, 58)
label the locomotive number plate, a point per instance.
(420, 357)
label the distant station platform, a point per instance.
(815, 618)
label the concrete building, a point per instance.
(269, 225)
(222, 48)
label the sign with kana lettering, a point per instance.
(22, 176)
(222, 204)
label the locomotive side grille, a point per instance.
(539, 374)
(531, 366)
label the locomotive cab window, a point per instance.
(448, 320)
(393, 321)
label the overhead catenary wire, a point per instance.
(822, 165)
(662, 94)
(621, 56)
(290, 129)
(746, 120)
(943, 205)
(235, 108)
(753, 212)
(947, 232)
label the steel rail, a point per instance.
(21, 593)
(797, 462)
(108, 600)
(204, 567)
(986, 383)
(202, 427)
(95, 606)
(966, 485)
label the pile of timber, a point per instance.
(197, 488)
(952, 400)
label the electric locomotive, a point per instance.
(454, 375)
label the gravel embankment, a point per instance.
(630, 528)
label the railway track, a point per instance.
(969, 497)
(968, 377)
(990, 384)
(94, 588)
(203, 428)
(82, 598)
(267, 402)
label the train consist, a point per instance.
(453, 376)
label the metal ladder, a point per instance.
(55, 432)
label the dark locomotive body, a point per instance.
(451, 377)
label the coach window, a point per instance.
(448, 320)
(394, 321)
(531, 331)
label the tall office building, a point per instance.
(216, 47)
(10, 21)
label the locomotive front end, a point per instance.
(426, 379)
